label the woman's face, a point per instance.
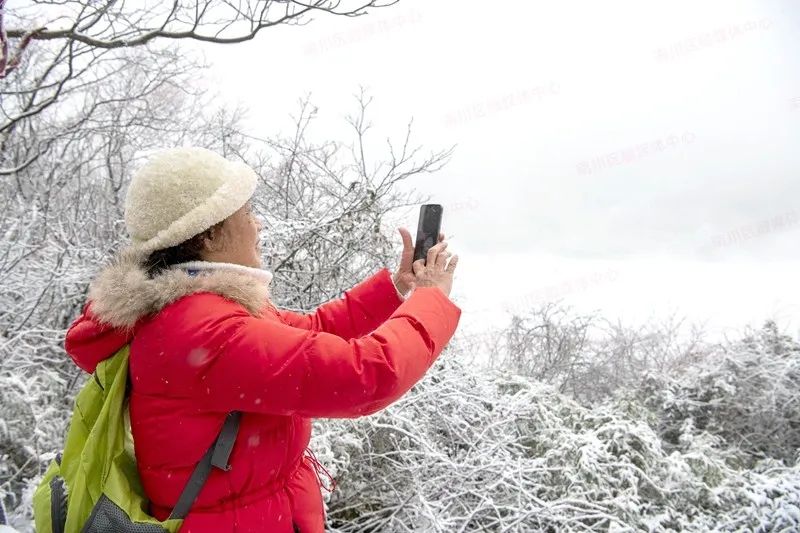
(238, 241)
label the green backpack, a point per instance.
(93, 486)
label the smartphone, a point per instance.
(428, 228)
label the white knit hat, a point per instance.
(181, 192)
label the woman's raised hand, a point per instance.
(435, 270)
(410, 273)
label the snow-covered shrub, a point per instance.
(475, 450)
(746, 392)
(591, 358)
(765, 498)
(33, 416)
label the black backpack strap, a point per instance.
(216, 456)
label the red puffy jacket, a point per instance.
(204, 345)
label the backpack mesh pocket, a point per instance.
(108, 517)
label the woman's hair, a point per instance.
(189, 250)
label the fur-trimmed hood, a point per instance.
(122, 292)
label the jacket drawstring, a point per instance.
(317, 466)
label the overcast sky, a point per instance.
(639, 158)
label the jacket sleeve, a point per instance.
(270, 367)
(88, 341)
(362, 309)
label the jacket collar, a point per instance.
(122, 293)
(193, 268)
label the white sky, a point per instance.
(639, 158)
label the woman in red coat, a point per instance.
(191, 299)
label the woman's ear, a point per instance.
(213, 239)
